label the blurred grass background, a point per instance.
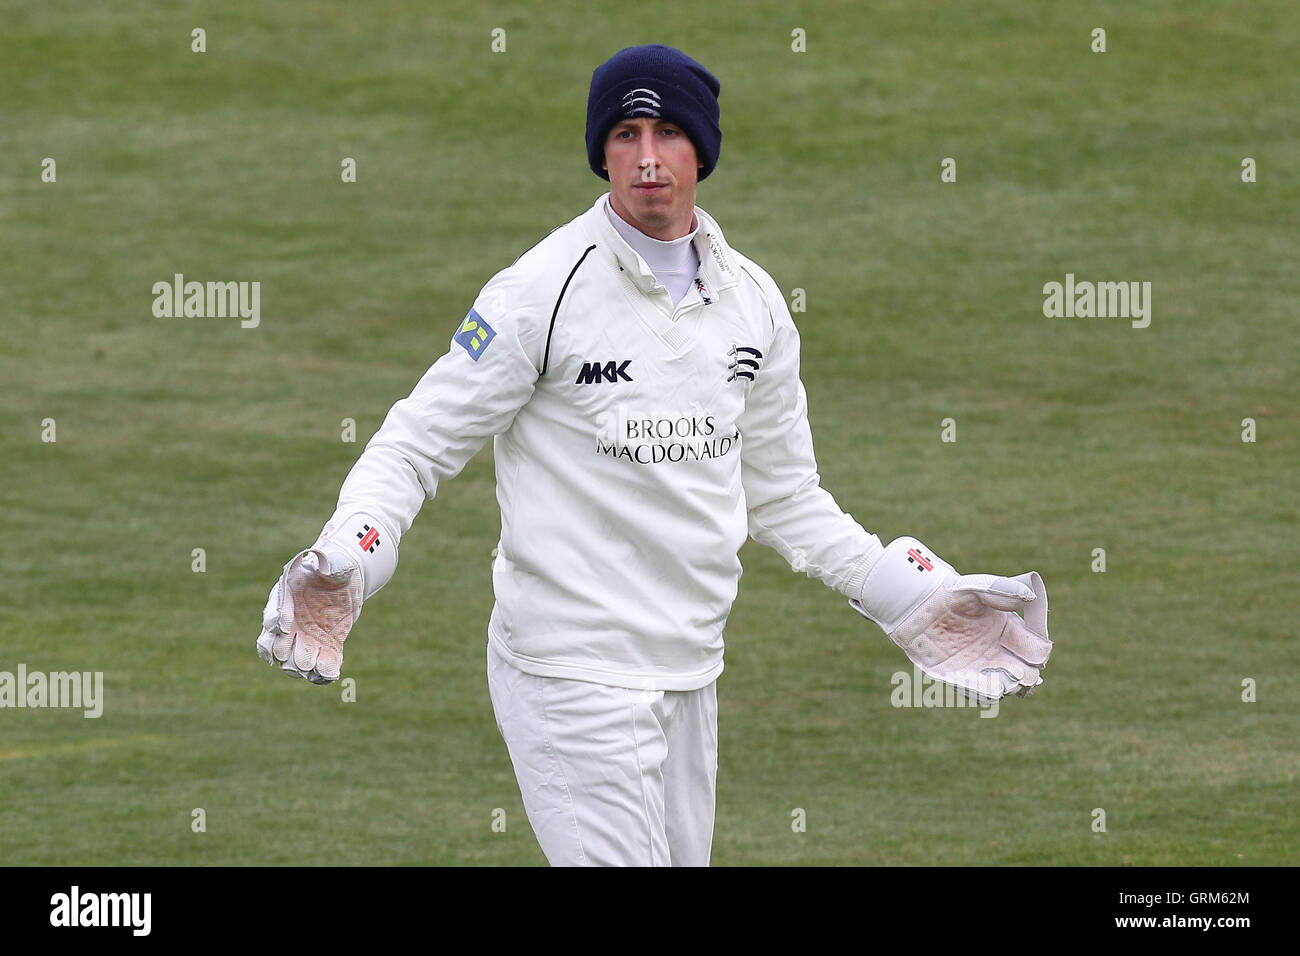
(923, 302)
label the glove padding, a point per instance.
(319, 596)
(959, 629)
(309, 613)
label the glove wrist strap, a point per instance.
(905, 574)
(362, 540)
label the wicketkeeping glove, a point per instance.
(959, 629)
(318, 598)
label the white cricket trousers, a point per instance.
(610, 776)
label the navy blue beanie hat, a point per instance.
(654, 81)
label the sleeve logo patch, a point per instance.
(474, 335)
(369, 538)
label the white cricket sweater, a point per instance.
(636, 445)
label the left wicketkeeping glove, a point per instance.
(319, 596)
(959, 629)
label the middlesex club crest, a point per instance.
(743, 362)
(641, 102)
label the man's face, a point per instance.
(653, 172)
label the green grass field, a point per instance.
(924, 302)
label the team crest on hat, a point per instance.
(641, 102)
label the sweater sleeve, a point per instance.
(789, 510)
(467, 396)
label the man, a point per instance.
(640, 379)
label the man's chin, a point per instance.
(653, 219)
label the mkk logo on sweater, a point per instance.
(592, 373)
(474, 335)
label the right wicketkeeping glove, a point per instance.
(959, 629)
(319, 596)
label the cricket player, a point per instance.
(639, 378)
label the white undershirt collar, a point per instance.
(674, 262)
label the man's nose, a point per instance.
(649, 163)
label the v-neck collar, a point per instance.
(649, 300)
(718, 269)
